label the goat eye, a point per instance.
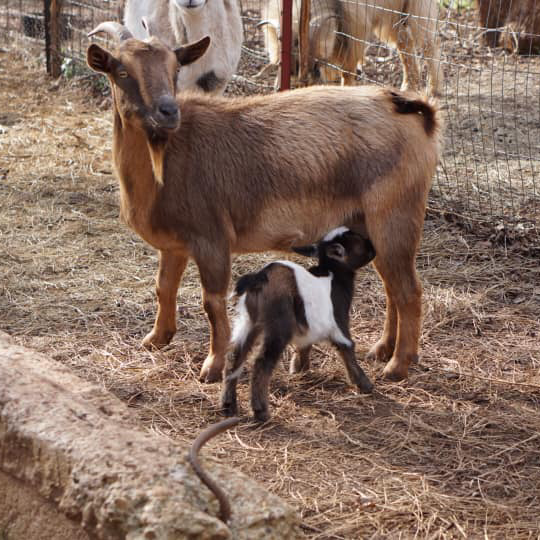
(123, 74)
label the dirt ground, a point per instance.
(453, 452)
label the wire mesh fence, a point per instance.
(483, 60)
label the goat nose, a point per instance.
(168, 108)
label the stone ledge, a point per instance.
(76, 448)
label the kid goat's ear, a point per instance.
(335, 251)
(308, 251)
(192, 51)
(99, 59)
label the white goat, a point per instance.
(178, 22)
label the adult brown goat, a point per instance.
(205, 176)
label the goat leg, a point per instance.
(300, 361)
(383, 350)
(406, 51)
(275, 341)
(171, 267)
(233, 372)
(354, 371)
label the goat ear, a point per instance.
(335, 251)
(307, 251)
(99, 59)
(192, 51)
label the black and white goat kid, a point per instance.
(288, 304)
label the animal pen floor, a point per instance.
(452, 452)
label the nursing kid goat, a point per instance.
(205, 176)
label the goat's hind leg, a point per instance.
(233, 369)
(404, 310)
(276, 338)
(396, 239)
(383, 350)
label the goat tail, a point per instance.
(412, 104)
(250, 282)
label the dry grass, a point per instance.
(454, 452)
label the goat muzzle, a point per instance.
(167, 113)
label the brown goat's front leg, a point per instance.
(171, 267)
(215, 270)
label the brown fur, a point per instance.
(409, 26)
(266, 173)
(518, 21)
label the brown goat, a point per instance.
(205, 176)
(518, 21)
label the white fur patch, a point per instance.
(334, 233)
(242, 322)
(315, 292)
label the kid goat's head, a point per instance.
(143, 77)
(340, 249)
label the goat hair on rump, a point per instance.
(204, 177)
(285, 303)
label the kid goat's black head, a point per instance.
(341, 249)
(142, 75)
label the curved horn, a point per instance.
(270, 22)
(146, 25)
(114, 29)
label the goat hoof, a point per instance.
(396, 370)
(365, 385)
(261, 416)
(211, 370)
(381, 352)
(157, 340)
(229, 409)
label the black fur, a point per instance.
(405, 105)
(209, 81)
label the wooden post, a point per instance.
(303, 41)
(55, 61)
(286, 45)
(47, 19)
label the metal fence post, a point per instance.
(286, 45)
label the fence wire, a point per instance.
(487, 58)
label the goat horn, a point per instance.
(114, 29)
(267, 21)
(146, 26)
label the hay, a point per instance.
(451, 453)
